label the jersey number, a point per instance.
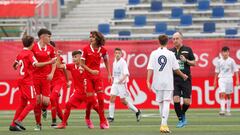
(162, 61)
(21, 67)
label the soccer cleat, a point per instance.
(110, 119)
(184, 120)
(180, 124)
(44, 114)
(228, 114)
(60, 126)
(221, 113)
(38, 127)
(138, 115)
(15, 128)
(19, 124)
(53, 125)
(164, 129)
(104, 125)
(89, 123)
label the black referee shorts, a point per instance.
(183, 88)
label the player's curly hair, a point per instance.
(99, 38)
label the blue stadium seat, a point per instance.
(209, 27)
(203, 5)
(119, 14)
(217, 12)
(177, 12)
(231, 31)
(170, 32)
(133, 2)
(190, 1)
(140, 20)
(104, 28)
(156, 5)
(124, 33)
(186, 20)
(230, 1)
(161, 27)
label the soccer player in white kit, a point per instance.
(119, 86)
(225, 69)
(161, 64)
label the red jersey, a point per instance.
(78, 77)
(93, 57)
(26, 60)
(43, 55)
(58, 74)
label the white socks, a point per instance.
(165, 112)
(222, 104)
(111, 109)
(228, 105)
(160, 108)
(132, 107)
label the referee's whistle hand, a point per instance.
(185, 77)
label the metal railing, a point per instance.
(47, 13)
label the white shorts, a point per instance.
(119, 90)
(225, 85)
(162, 95)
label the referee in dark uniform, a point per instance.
(182, 88)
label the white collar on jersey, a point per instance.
(93, 49)
(45, 48)
(77, 67)
(118, 60)
(25, 48)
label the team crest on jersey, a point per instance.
(48, 52)
(81, 70)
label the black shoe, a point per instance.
(19, 124)
(138, 115)
(110, 119)
(53, 124)
(14, 128)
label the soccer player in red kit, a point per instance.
(79, 81)
(25, 61)
(42, 76)
(59, 79)
(91, 58)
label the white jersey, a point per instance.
(162, 62)
(120, 68)
(226, 68)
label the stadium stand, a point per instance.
(186, 16)
(139, 17)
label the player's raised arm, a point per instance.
(42, 64)
(94, 72)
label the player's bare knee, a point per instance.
(112, 99)
(176, 99)
(228, 96)
(186, 101)
(123, 101)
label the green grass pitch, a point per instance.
(200, 122)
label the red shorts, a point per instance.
(56, 86)
(94, 85)
(27, 91)
(77, 99)
(42, 86)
